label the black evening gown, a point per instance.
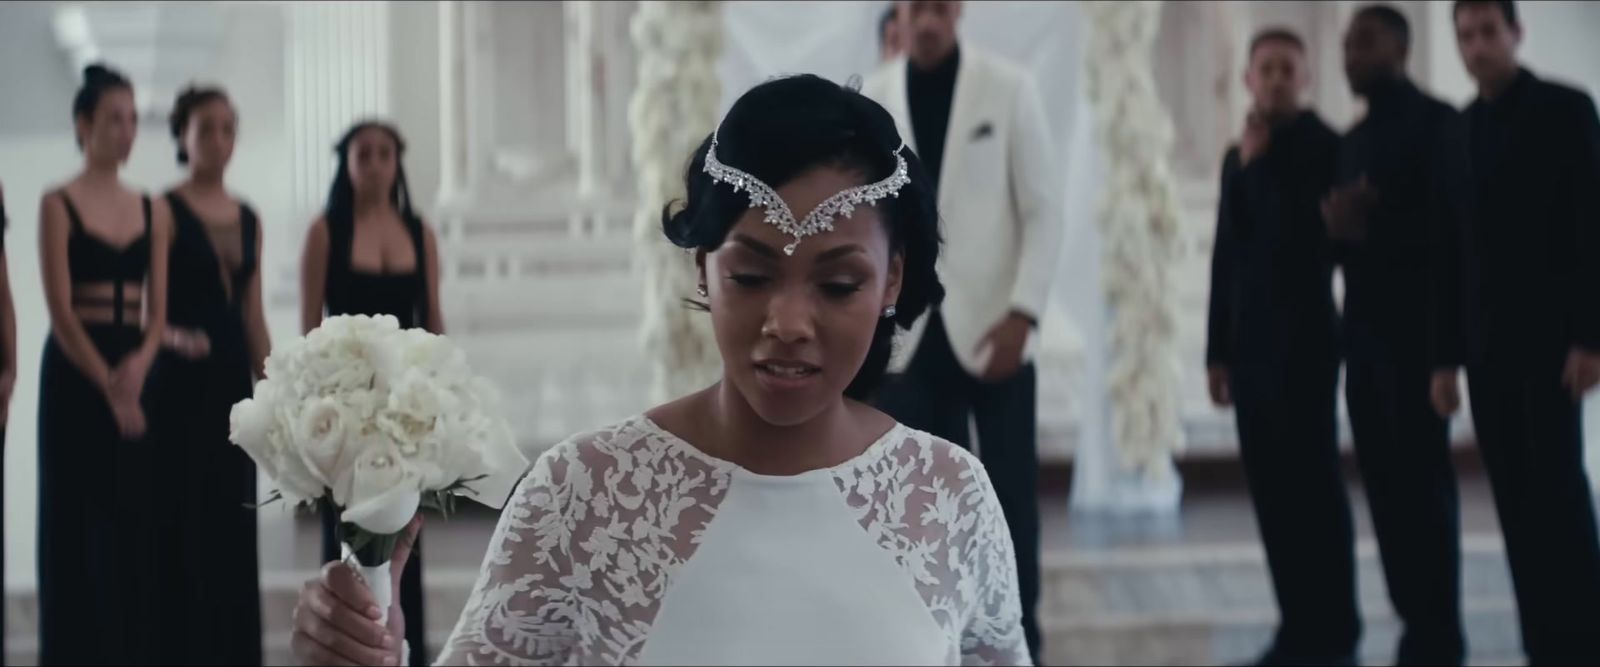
(405, 296)
(96, 490)
(214, 572)
(3, 225)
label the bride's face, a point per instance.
(794, 330)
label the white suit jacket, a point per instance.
(999, 200)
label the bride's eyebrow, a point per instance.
(840, 252)
(756, 246)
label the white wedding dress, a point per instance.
(630, 546)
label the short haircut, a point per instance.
(1283, 35)
(1391, 19)
(884, 22)
(1508, 8)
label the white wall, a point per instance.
(414, 92)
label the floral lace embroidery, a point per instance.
(930, 504)
(587, 548)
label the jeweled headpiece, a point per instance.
(820, 219)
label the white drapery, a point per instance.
(674, 107)
(1139, 221)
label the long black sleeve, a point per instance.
(1446, 183)
(1219, 330)
(1583, 298)
(1281, 186)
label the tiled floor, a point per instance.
(1183, 589)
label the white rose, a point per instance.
(251, 419)
(435, 355)
(323, 436)
(487, 450)
(385, 494)
(418, 396)
(340, 370)
(418, 447)
(283, 362)
(388, 362)
(460, 434)
(249, 423)
(294, 478)
(344, 327)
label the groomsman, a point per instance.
(979, 126)
(891, 34)
(1272, 352)
(1382, 215)
(1519, 307)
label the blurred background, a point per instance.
(520, 153)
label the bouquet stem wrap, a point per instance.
(369, 555)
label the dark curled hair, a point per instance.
(1508, 8)
(190, 99)
(1391, 19)
(341, 205)
(884, 21)
(787, 126)
(1281, 35)
(98, 79)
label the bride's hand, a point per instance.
(336, 622)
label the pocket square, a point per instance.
(983, 131)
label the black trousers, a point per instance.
(1288, 443)
(1403, 450)
(2, 550)
(1530, 432)
(410, 589)
(938, 396)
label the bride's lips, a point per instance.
(786, 374)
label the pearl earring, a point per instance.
(889, 311)
(701, 290)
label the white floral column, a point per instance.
(674, 107)
(1139, 226)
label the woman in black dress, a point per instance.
(8, 381)
(216, 343)
(103, 253)
(369, 253)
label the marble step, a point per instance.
(1237, 638)
(1197, 580)
(1213, 604)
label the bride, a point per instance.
(773, 517)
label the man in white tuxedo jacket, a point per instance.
(978, 125)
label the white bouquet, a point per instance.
(373, 422)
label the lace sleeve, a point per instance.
(519, 613)
(992, 634)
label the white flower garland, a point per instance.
(1139, 221)
(673, 108)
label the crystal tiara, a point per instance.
(820, 219)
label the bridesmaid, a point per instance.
(103, 252)
(369, 253)
(216, 343)
(8, 381)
